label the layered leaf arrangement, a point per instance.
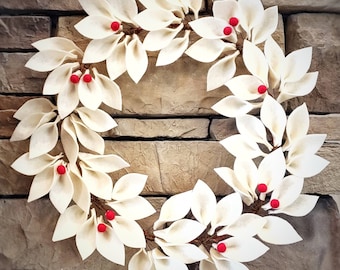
(193, 226)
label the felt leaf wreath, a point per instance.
(193, 226)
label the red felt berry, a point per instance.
(262, 188)
(101, 227)
(74, 78)
(110, 215)
(115, 26)
(233, 21)
(61, 169)
(227, 30)
(262, 89)
(87, 78)
(221, 247)
(274, 203)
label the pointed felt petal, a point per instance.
(37, 105)
(155, 19)
(68, 100)
(222, 263)
(110, 247)
(88, 138)
(228, 210)
(203, 203)
(255, 61)
(69, 223)
(266, 27)
(112, 95)
(95, 27)
(125, 10)
(116, 62)
(303, 86)
(100, 49)
(98, 120)
(244, 249)
(302, 206)
(61, 192)
(69, 140)
(240, 146)
(175, 208)
(195, 6)
(140, 261)
(104, 163)
(57, 44)
(251, 14)
(297, 124)
(98, 183)
(81, 195)
(245, 87)
(136, 59)
(275, 58)
(273, 116)
(41, 184)
(185, 253)
(225, 9)
(159, 39)
(90, 94)
(48, 60)
(96, 7)
(222, 71)
(247, 225)
(296, 64)
(253, 128)
(27, 166)
(129, 186)
(43, 140)
(173, 51)
(232, 106)
(209, 27)
(287, 191)
(181, 231)
(278, 231)
(212, 49)
(308, 144)
(135, 209)
(238, 186)
(86, 237)
(129, 232)
(57, 80)
(164, 262)
(28, 125)
(306, 165)
(272, 169)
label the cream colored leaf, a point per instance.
(232, 106)
(263, 30)
(306, 165)
(57, 44)
(61, 192)
(90, 94)
(140, 261)
(129, 186)
(98, 120)
(116, 62)
(136, 59)
(125, 10)
(245, 87)
(155, 19)
(69, 140)
(95, 27)
(42, 184)
(36, 105)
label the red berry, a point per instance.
(233, 21)
(110, 215)
(74, 78)
(87, 78)
(115, 26)
(61, 169)
(221, 247)
(227, 30)
(101, 227)
(274, 203)
(262, 89)
(262, 187)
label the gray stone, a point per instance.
(18, 32)
(16, 78)
(61, 5)
(292, 6)
(322, 32)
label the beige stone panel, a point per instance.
(322, 32)
(293, 6)
(166, 128)
(18, 32)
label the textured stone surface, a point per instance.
(27, 229)
(166, 128)
(16, 78)
(319, 124)
(172, 166)
(26, 239)
(292, 6)
(18, 32)
(61, 5)
(322, 32)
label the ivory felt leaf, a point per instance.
(95, 27)
(306, 165)
(98, 120)
(266, 27)
(209, 27)
(155, 19)
(38, 105)
(81, 195)
(116, 62)
(69, 140)
(140, 261)
(42, 184)
(232, 106)
(296, 64)
(125, 10)
(89, 93)
(251, 13)
(245, 87)
(129, 186)
(97, 7)
(57, 44)
(164, 262)
(68, 99)
(136, 59)
(61, 192)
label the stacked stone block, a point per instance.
(166, 130)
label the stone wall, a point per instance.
(167, 131)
